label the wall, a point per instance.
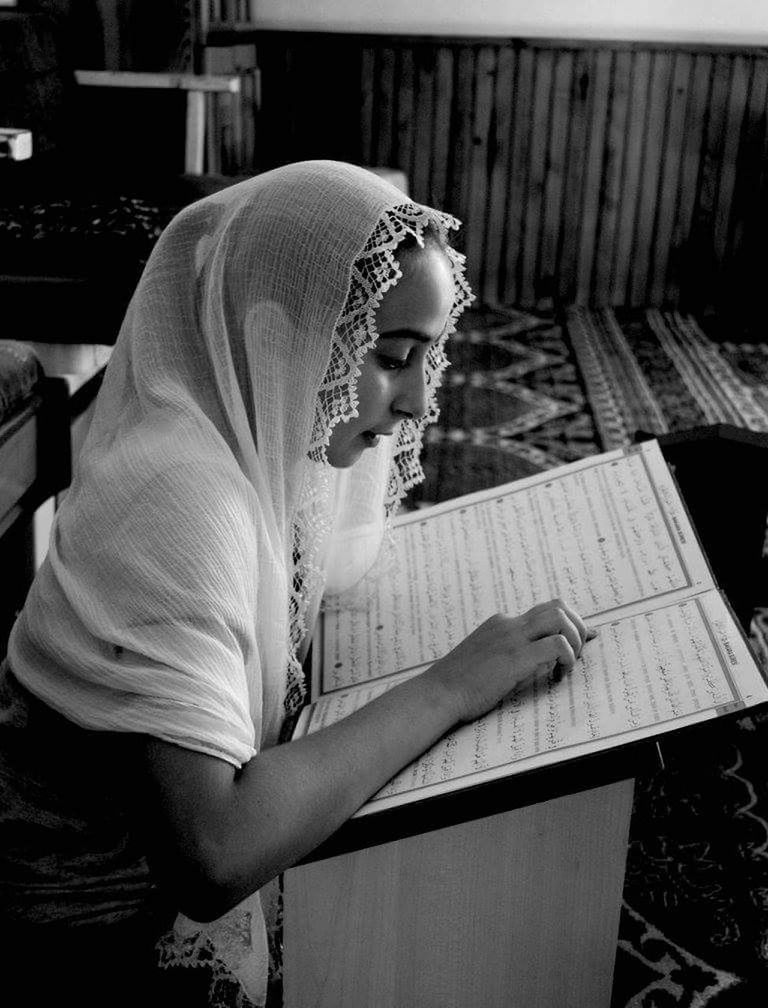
(595, 172)
(705, 21)
(603, 173)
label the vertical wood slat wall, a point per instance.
(583, 173)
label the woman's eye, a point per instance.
(392, 363)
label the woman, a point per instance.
(263, 408)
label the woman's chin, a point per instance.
(344, 456)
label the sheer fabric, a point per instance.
(187, 563)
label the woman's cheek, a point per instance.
(387, 386)
(375, 389)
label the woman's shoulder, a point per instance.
(195, 480)
(196, 503)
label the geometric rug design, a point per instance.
(510, 405)
(525, 394)
(657, 371)
(653, 970)
(695, 918)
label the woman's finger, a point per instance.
(585, 633)
(554, 650)
(556, 621)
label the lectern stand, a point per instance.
(516, 910)
(519, 907)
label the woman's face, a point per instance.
(392, 383)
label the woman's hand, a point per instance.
(217, 834)
(505, 651)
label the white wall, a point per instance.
(739, 22)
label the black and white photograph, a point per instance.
(383, 504)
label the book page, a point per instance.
(602, 534)
(677, 664)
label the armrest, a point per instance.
(136, 79)
(35, 454)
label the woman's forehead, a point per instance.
(422, 299)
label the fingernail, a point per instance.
(591, 633)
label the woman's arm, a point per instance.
(218, 834)
(222, 833)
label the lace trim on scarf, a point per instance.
(373, 273)
(197, 950)
(225, 990)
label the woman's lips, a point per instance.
(373, 437)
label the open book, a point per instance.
(611, 536)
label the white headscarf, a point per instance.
(188, 559)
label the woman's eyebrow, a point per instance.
(414, 334)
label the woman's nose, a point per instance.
(412, 398)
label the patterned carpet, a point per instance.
(526, 393)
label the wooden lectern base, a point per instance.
(517, 910)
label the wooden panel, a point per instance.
(747, 253)
(668, 195)
(537, 167)
(651, 171)
(368, 102)
(459, 165)
(512, 263)
(499, 154)
(630, 175)
(424, 97)
(477, 207)
(442, 152)
(734, 117)
(575, 218)
(590, 222)
(583, 172)
(385, 107)
(701, 254)
(511, 911)
(545, 282)
(611, 186)
(681, 265)
(404, 96)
